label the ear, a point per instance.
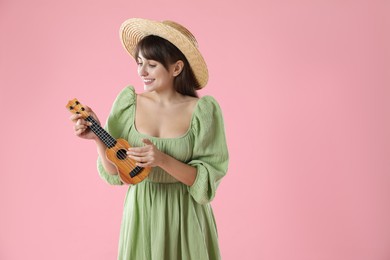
(177, 67)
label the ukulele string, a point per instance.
(127, 161)
(106, 138)
(116, 148)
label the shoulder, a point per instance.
(207, 113)
(123, 102)
(208, 105)
(126, 94)
(125, 98)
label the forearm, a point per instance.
(179, 170)
(108, 166)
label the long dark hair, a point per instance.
(153, 47)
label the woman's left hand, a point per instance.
(146, 156)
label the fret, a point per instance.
(106, 138)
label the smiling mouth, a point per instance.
(148, 81)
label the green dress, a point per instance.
(164, 219)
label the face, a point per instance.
(154, 75)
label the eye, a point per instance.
(152, 65)
(139, 63)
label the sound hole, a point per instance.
(121, 154)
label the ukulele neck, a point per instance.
(99, 131)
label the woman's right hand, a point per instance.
(81, 126)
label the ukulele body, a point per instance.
(128, 171)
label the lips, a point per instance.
(148, 81)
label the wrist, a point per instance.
(163, 160)
(97, 140)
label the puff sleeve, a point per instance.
(117, 125)
(210, 153)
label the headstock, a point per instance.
(75, 107)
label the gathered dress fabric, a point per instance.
(164, 219)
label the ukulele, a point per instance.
(128, 171)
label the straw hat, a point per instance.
(134, 29)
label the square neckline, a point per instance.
(164, 138)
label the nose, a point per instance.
(142, 71)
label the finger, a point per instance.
(141, 149)
(137, 154)
(144, 165)
(83, 122)
(141, 159)
(147, 141)
(79, 132)
(90, 111)
(80, 127)
(144, 162)
(79, 121)
(75, 117)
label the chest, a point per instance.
(163, 122)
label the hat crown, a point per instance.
(184, 31)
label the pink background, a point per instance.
(304, 87)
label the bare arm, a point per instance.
(179, 170)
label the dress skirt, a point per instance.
(161, 221)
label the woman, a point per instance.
(181, 136)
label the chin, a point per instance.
(148, 88)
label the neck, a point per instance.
(166, 96)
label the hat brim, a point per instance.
(135, 29)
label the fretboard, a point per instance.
(99, 131)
